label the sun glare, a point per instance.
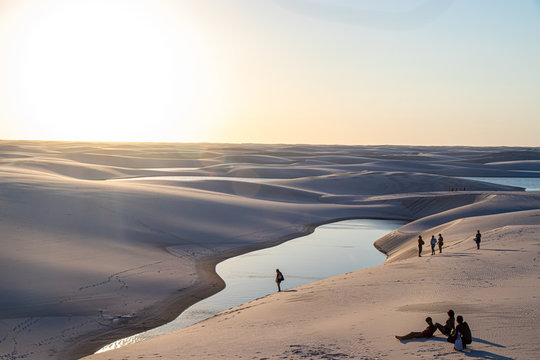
(102, 70)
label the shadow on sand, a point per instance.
(457, 254)
(472, 353)
(481, 354)
(487, 342)
(433, 338)
(501, 250)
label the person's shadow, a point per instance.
(470, 352)
(482, 354)
(487, 342)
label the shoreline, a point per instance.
(208, 284)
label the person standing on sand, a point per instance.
(279, 279)
(440, 243)
(420, 243)
(477, 239)
(449, 325)
(433, 242)
(427, 333)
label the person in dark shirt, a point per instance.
(441, 243)
(427, 333)
(279, 279)
(433, 242)
(447, 328)
(463, 330)
(478, 239)
(420, 243)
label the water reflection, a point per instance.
(331, 250)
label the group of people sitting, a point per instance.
(449, 329)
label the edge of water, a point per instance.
(166, 310)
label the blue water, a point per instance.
(529, 184)
(332, 249)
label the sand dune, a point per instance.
(86, 261)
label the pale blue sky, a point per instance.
(463, 72)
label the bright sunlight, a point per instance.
(102, 70)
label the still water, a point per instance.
(529, 184)
(332, 249)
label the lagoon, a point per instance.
(332, 249)
(529, 184)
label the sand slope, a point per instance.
(86, 261)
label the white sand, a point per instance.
(86, 261)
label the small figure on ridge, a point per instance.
(477, 239)
(433, 242)
(420, 243)
(441, 243)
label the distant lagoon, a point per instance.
(529, 184)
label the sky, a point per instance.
(417, 72)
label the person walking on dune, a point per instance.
(427, 333)
(279, 279)
(441, 243)
(478, 239)
(420, 244)
(433, 242)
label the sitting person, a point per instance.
(463, 330)
(427, 333)
(449, 325)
